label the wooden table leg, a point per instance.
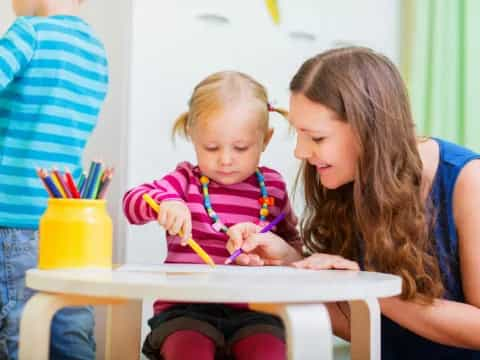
(37, 315)
(124, 326)
(308, 329)
(365, 329)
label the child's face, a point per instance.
(25, 7)
(229, 144)
(325, 141)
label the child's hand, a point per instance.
(326, 261)
(259, 249)
(175, 217)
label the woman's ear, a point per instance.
(268, 137)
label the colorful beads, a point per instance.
(268, 200)
(265, 201)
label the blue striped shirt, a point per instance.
(53, 81)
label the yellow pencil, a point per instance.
(56, 181)
(192, 243)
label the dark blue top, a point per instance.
(400, 343)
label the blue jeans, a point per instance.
(72, 331)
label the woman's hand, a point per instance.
(326, 261)
(259, 249)
(175, 217)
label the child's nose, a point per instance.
(226, 158)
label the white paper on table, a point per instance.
(203, 268)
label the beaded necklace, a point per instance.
(264, 200)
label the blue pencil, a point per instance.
(56, 193)
(266, 229)
(81, 184)
(88, 179)
(91, 184)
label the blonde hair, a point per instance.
(214, 93)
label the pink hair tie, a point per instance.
(270, 108)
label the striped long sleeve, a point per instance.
(171, 187)
(233, 203)
(16, 51)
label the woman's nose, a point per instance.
(302, 150)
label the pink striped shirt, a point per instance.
(233, 203)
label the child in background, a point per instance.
(53, 81)
(227, 123)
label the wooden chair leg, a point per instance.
(37, 315)
(124, 326)
(365, 329)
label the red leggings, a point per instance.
(189, 344)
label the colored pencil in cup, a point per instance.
(62, 183)
(81, 183)
(266, 229)
(58, 185)
(71, 184)
(192, 243)
(104, 185)
(41, 175)
(96, 185)
(91, 179)
(49, 184)
(88, 178)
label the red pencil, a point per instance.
(71, 184)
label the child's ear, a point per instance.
(267, 138)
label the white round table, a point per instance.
(297, 296)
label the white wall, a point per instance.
(111, 19)
(176, 44)
(6, 15)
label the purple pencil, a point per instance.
(266, 229)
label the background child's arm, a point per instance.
(173, 186)
(16, 51)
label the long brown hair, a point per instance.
(380, 219)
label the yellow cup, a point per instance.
(75, 233)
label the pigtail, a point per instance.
(280, 111)
(180, 127)
(284, 113)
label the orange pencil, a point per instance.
(103, 186)
(41, 175)
(54, 190)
